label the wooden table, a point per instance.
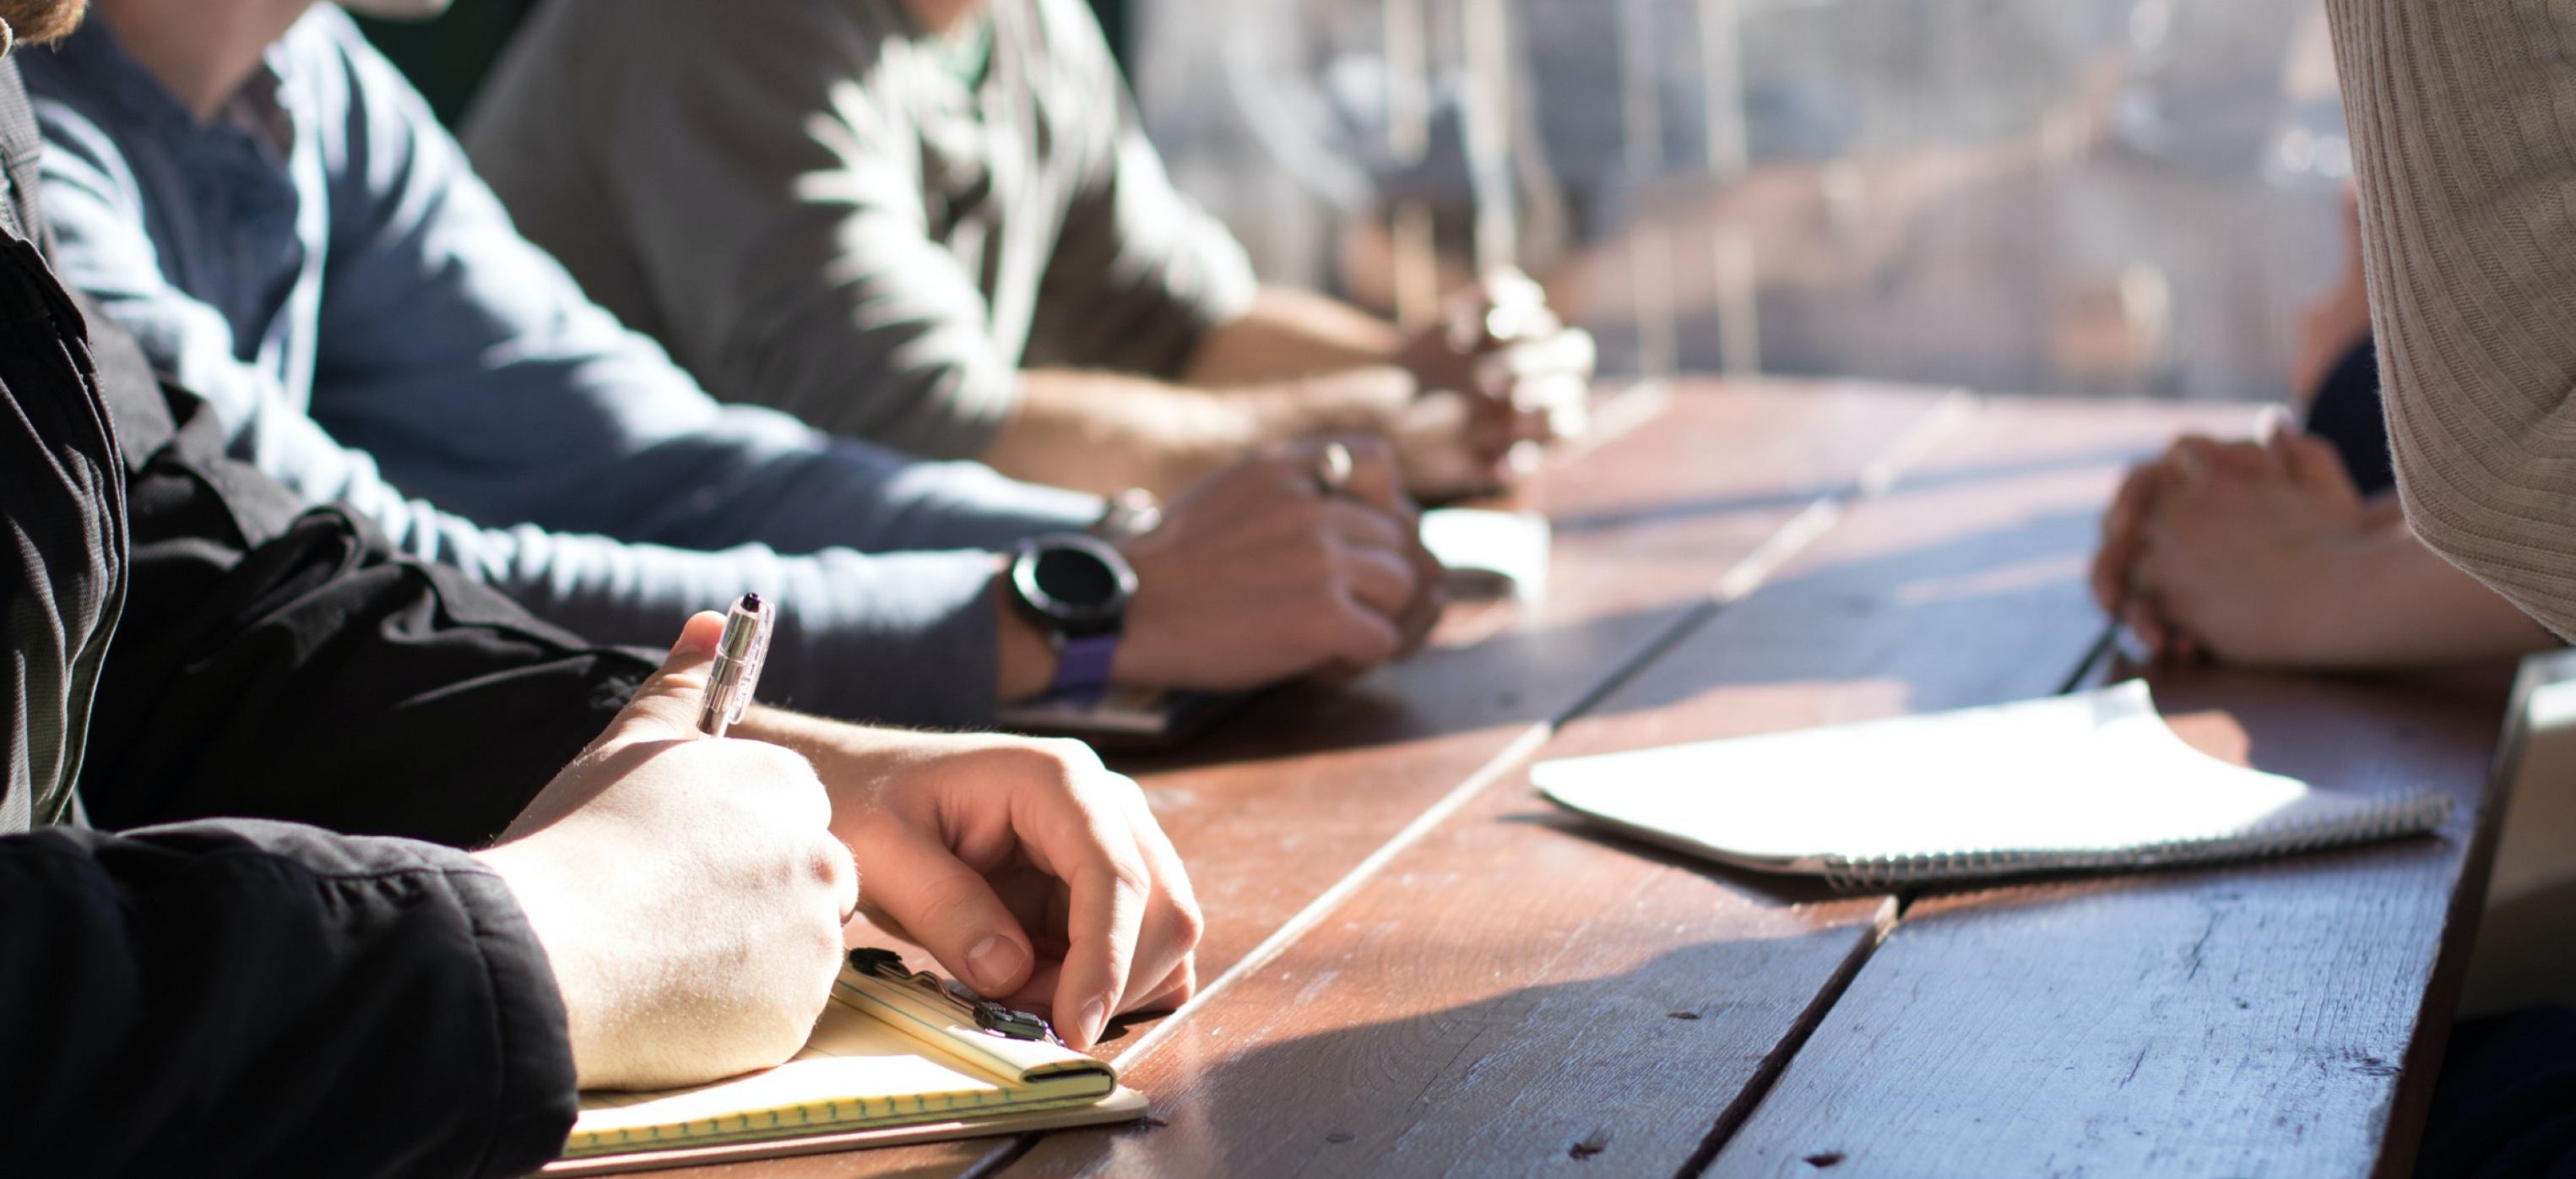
(1414, 966)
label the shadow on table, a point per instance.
(1769, 890)
(1629, 1072)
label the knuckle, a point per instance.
(1072, 754)
(1315, 629)
(1318, 569)
(1048, 762)
(1130, 876)
(828, 866)
(1183, 921)
(775, 765)
(1124, 787)
(1307, 513)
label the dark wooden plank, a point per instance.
(2279, 1018)
(1515, 995)
(1284, 800)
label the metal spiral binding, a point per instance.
(2392, 817)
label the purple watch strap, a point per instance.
(1082, 665)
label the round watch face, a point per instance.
(1079, 583)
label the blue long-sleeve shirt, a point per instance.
(321, 264)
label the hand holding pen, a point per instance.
(719, 853)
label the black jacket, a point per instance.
(233, 983)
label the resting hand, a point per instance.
(1033, 874)
(2244, 546)
(2188, 463)
(1257, 575)
(688, 891)
(1499, 370)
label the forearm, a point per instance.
(2462, 159)
(2397, 603)
(1105, 433)
(1290, 333)
(254, 998)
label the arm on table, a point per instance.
(2263, 553)
(924, 610)
(2405, 605)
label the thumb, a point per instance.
(666, 707)
(950, 909)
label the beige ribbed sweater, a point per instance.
(2463, 116)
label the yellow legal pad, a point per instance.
(887, 1063)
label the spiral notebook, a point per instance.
(889, 1062)
(2088, 782)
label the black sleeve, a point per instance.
(250, 998)
(275, 662)
(2346, 411)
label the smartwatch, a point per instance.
(1076, 587)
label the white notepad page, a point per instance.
(2089, 781)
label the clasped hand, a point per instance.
(2225, 549)
(1498, 372)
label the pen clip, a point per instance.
(993, 1018)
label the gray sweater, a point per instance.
(810, 205)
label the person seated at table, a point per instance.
(2292, 551)
(936, 224)
(268, 206)
(248, 748)
(2460, 142)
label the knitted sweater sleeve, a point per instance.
(2463, 121)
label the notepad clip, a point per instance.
(990, 1016)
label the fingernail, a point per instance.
(995, 962)
(1095, 1020)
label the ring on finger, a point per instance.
(1333, 471)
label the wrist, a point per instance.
(531, 881)
(1072, 589)
(1025, 658)
(2333, 623)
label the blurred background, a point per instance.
(2118, 197)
